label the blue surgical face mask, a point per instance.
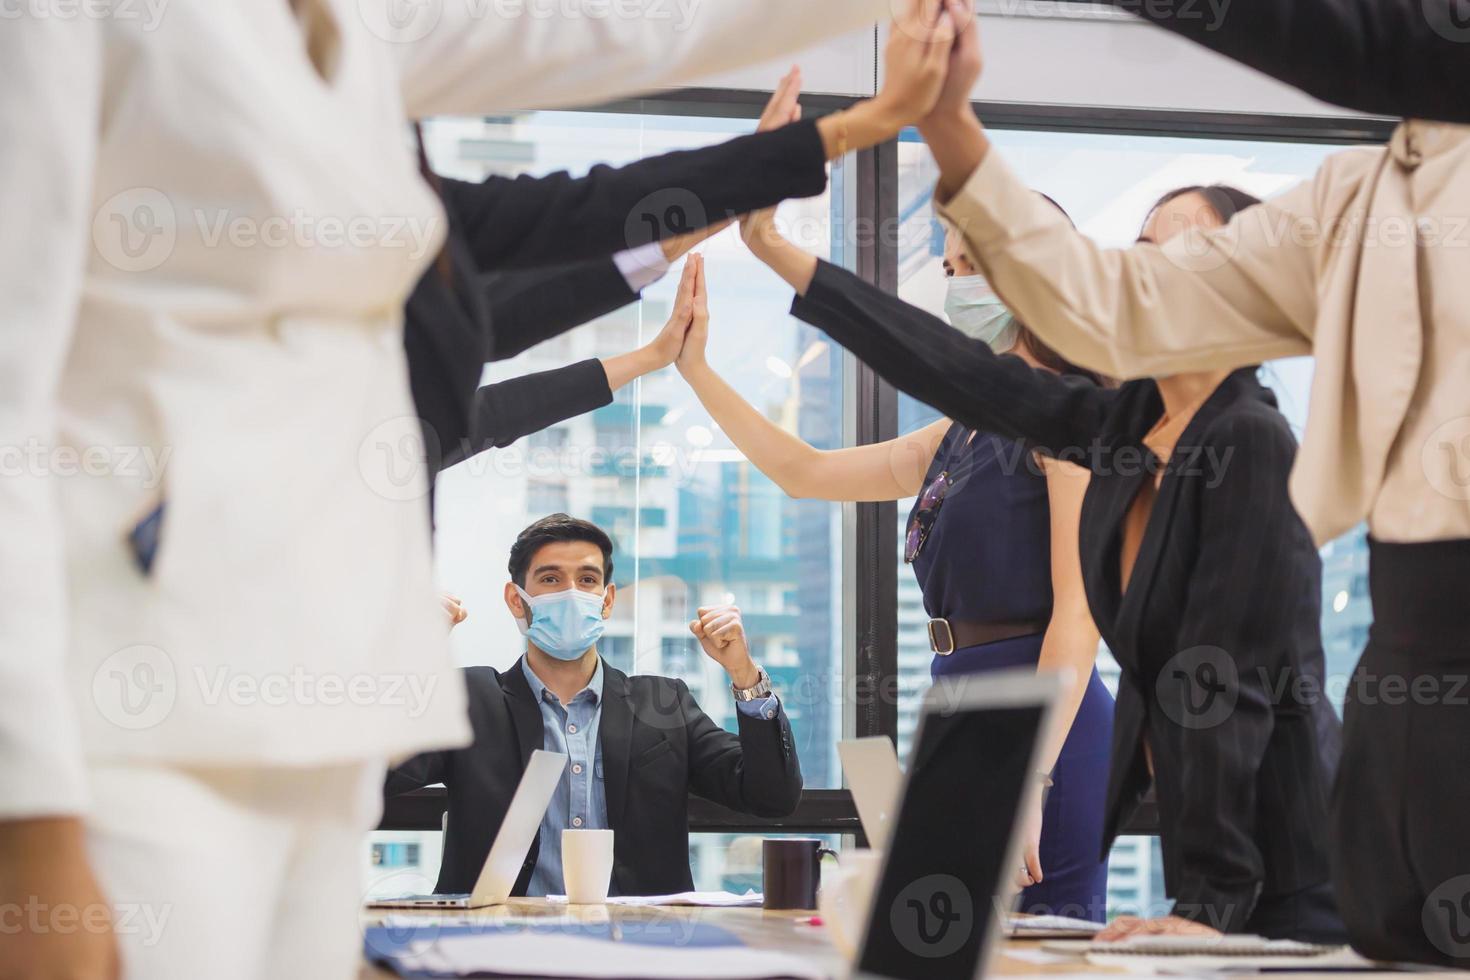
(564, 624)
(975, 310)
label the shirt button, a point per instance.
(576, 821)
(577, 769)
(571, 729)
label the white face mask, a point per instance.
(975, 310)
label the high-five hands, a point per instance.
(964, 67)
(916, 59)
(721, 633)
(696, 338)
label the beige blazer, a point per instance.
(1366, 266)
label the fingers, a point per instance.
(1120, 928)
(701, 296)
(697, 628)
(777, 111)
(1033, 866)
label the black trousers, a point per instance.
(1401, 804)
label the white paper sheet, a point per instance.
(714, 900)
(598, 959)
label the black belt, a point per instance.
(948, 635)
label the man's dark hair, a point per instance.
(551, 529)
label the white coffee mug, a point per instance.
(586, 865)
(847, 892)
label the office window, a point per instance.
(1107, 183)
(693, 522)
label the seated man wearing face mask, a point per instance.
(638, 745)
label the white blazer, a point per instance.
(206, 246)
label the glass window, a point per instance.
(1107, 183)
(693, 522)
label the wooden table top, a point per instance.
(787, 932)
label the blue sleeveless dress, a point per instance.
(987, 558)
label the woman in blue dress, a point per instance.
(992, 539)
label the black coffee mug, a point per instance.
(792, 869)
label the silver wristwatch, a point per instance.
(758, 691)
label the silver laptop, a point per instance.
(517, 832)
(875, 779)
(948, 877)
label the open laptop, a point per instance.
(948, 876)
(517, 832)
(875, 779)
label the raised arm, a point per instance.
(473, 58)
(508, 410)
(1390, 57)
(920, 354)
(1229, 297)
(527, 221)
(889, 470)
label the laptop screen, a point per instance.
(935, 901)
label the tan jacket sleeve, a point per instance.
(1225, 298)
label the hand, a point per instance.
(1125, 926)
(696, 340)
(783, 107)
(722, 634)
(43, 863)
(965, 64)
(1031, 847)
(454, 606)
(916, 59)
(758, 230)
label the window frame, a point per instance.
(870, 549)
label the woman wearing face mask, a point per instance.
(1201, 576)
(992, 540)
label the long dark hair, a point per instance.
(1224, 200)
(1046, 355)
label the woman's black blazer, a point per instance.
(1218, 633)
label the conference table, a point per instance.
(787, 932)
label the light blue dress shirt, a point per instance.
(580, 800)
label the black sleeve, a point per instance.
(1390, 57)
(1216, 716)
(756, 772)
(920, 354)
(521, 222)
(424, 769)
(528, 306)
(507, 411)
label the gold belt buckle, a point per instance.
(947, 648)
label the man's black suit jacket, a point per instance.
(1218, 632)
(657, 748)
